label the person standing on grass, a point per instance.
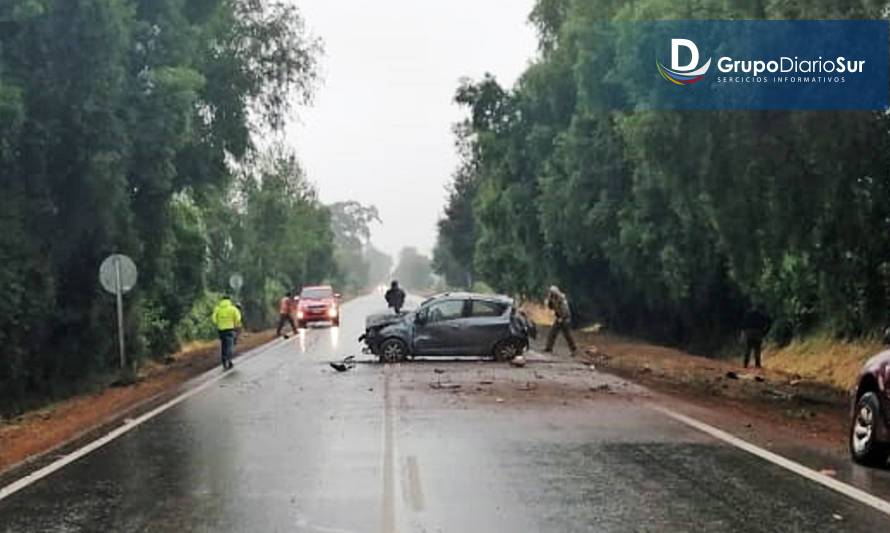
(227, 319)
(286, 314)
(755, 325)
(559, 304)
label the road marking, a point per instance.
(838, 486)
(127, 426)
(411, 484)
(388, 519)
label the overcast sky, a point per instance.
(380, 129)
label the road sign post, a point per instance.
(118, 275)
(119, 294)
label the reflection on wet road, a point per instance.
(284, 443)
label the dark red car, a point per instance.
(870, 426)
(318, 304)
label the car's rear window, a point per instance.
(316, 294)
(490, 309)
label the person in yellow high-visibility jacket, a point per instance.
(227, 319)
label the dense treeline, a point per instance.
(129, 126)
(361, 266)
(668, 223)
(414, 271)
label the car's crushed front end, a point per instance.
(384, 326)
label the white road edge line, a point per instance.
(838, 486)
(128, 426)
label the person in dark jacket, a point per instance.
(755, 325)
(395, 297)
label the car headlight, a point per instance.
(332, 312)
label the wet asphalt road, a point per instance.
(283, 443)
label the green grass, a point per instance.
(823, 359)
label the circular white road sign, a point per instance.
(118, 269)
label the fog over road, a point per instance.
(283, 443)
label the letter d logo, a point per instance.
(676, 44)
(684, 74)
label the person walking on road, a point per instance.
(755, 325)
(395, 297)
(286, 314)
(559, 303)
(227, 319)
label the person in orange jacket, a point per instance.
(286, 314)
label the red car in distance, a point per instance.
(318, 304)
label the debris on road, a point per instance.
(445, 386)
(486, 382)
(518, 361)
(499, 400)
(345, 366)
(778, 394)
(595, 352)
(745, 377)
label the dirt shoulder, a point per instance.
(34, 434)
(803, 407)
(802, 391)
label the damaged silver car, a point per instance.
(451, 324)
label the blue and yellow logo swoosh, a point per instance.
(683, 78)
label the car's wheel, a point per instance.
(507, 349)
(393, 351)
(864, 445)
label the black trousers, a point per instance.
(753, 340)
(286, 319)
(227, 345)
